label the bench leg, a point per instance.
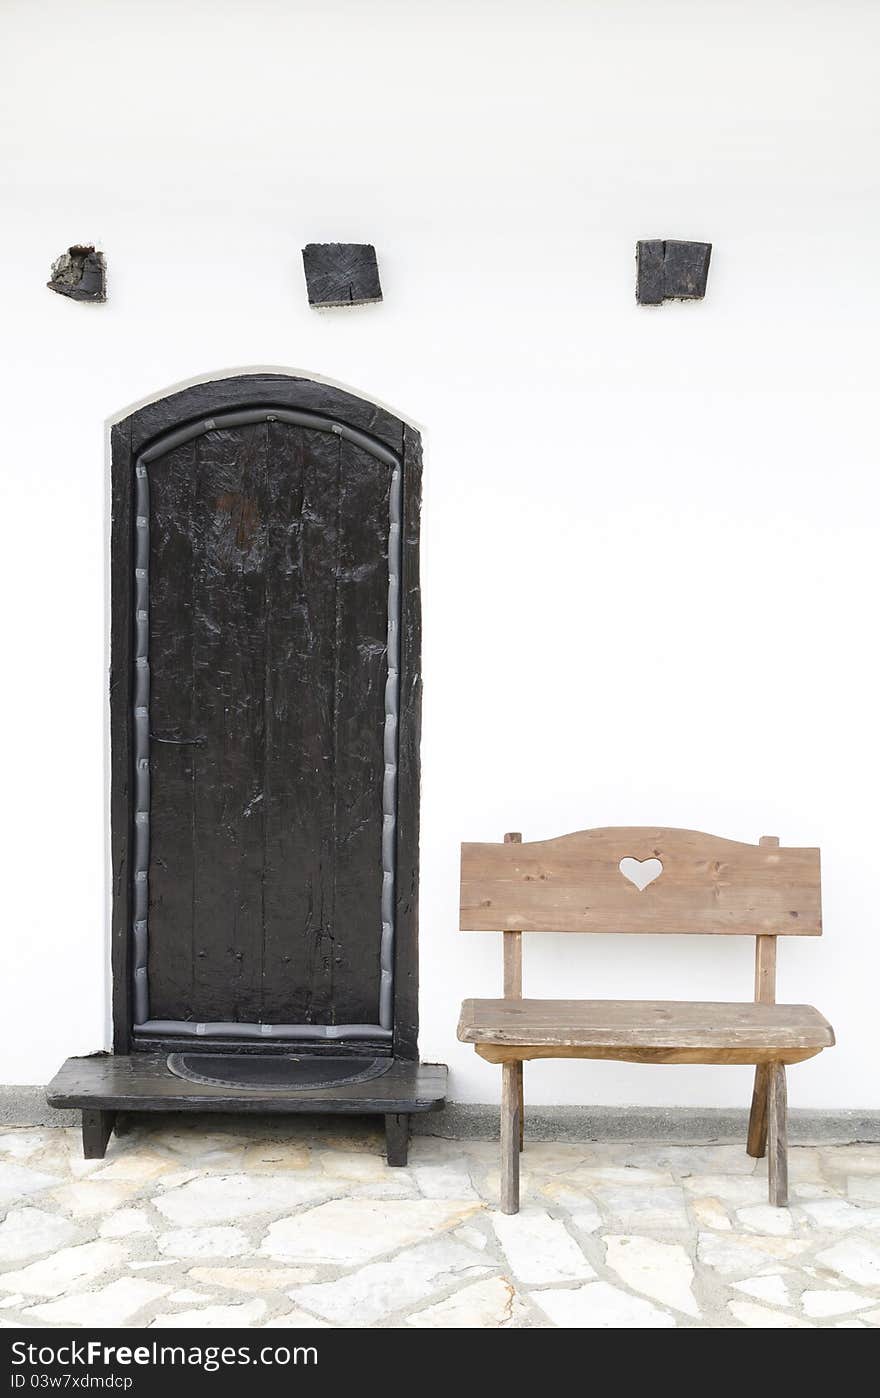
(778, 1136)
(511, 1076)
(396, 1137)
(757, 1141)
(522, 1106)
(96, 1129)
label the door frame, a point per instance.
(129, 439)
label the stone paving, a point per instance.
(279, 1224)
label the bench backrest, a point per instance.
(584, 883)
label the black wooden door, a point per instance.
(269, 725)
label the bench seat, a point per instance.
(663, 1031)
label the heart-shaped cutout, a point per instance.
(640, 872)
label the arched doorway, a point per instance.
(265, 706)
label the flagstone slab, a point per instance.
(276, 1157)
(588, 1177)
(115, 1304)
(356, 1166)
(253, 1279)
(91, 1198)
(126, 1223)
(19, 1144)
(600, 1306)
(698, 1160)
(710, 1213)
(851, 1160)
(382, 1288)
(204, 1242)
(864, 1188)
(825, 1303)
(28, 1232)
(136, 1167)
(662, 1271)
(756, 1317)
(638, 1207)
(482, 1305)
(348, 1232)
(539, 1249)
(471, 1236)
(771, 1289)
(296, 1320)
(233, 1198)
(839, 1215)
(857, 1259)
(730, 1253)
(738, 1190)
(556, 1158)
(448, 1179)
(586, 1217)
(212, 1317)
(767, 1219)
(17, 1181)
(64, 1269)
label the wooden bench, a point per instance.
(641, 880)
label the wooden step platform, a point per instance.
(105, 1084)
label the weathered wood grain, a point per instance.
(360, 668)
(230, 559)
(513, 987)
(97, 1127)
(765, 994)
(396, 1138)
(136, 433)
(777, 1144)
(269, 608)
(325, 675)
(589, 882)
(574, 884)
(756, 1142)
(646, 1024)
(524, 1053)
(141, 1082)
(510, 1139)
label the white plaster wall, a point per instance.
(650, 539)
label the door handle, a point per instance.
(198, 741)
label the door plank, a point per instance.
(326, 671)
(303, 487)
(172, 765)
(361, 672)
(229, 662)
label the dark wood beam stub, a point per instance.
(341, 274)
(396, 1138)
(80, 273)
(97, 1127)
(669, 270)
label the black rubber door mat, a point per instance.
(275, 1072)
